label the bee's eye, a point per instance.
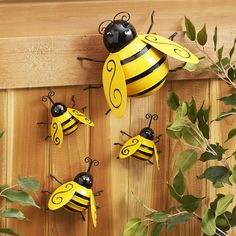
(109, 34)
(126, 23)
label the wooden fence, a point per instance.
(39, 43)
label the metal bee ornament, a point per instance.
(142, 146)
(137, 64)
(65, 120)
(76, 195)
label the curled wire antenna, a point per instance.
(124, 16)
(151, 117)
(49, 97)
(102, 26)
(91, 162)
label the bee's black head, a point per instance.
(118, 33)
(58, 109)
(147, 133)
(85, 179)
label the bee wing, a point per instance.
(93, 209)
(62, 195)
(56, 132)
(130, 147)
(80, 116)
(169, 47)
(156, 156)
(114, 85)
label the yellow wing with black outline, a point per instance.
(62, 195)
(114, 85)
(156, 156)
(131, 146)
(169, 47)
(56, 131)
(80, 116)
(93, 209)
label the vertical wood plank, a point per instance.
(67, 162)
(27, 153)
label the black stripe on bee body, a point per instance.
(67, 121)
(70, 208)
(149, 89)
(146, 72)
(70, 127)
(136, 55)
(149, 148)
(78, 203)
(145, 153)
(140, 158)
(82, 196)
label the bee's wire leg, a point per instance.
(118, 157)
(150, 162)
(118, 144)
(98, 193)
(82, 216)
(47, 137)
(83, 109)
(73, 101)
(123, 132)
(90, 59)
(98, 207)
(158, 138)
(152, 22)
(108, 111)
(46, 191)
(173, 36)
(178, 68)
(58, 181)
(93, 87)
(43, 123)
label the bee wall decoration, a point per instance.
(143, 145)
(75, 196)
(137, 64)
(64, 119)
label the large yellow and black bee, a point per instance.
(137, 64)
(141, 146)
(65, 120)
(76, 195)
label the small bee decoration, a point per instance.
(76, 195)
(64, 119)
(137, 64)
(142, 146)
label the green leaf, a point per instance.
(172, 100)
(229, 100)
(232, 72)
(206, 156)
(158, 216)
(231, 134)
(178, 183)
(8, 231)
(190, 29)
(177, 126)
(220, 52)
(190, 203)
(208, 224)
(157, 229)
(215, 173)
(173, 193)
(131, 226)
(202, 36)
(233, 218)
(215, 38)
(223, 204)
(225, 114)
(192, 111)
(213, 204)
(186, 160)
(189, 137)
(203, 117)
(178, 219)
(173, 134)
(20, 197)
(182, 110)
(190, 67)
(232, 49)
(141, 230)
(28, 183)
(13, 213)
(234, 174)
(2, 133)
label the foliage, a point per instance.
(191, 126)
(17, 194)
